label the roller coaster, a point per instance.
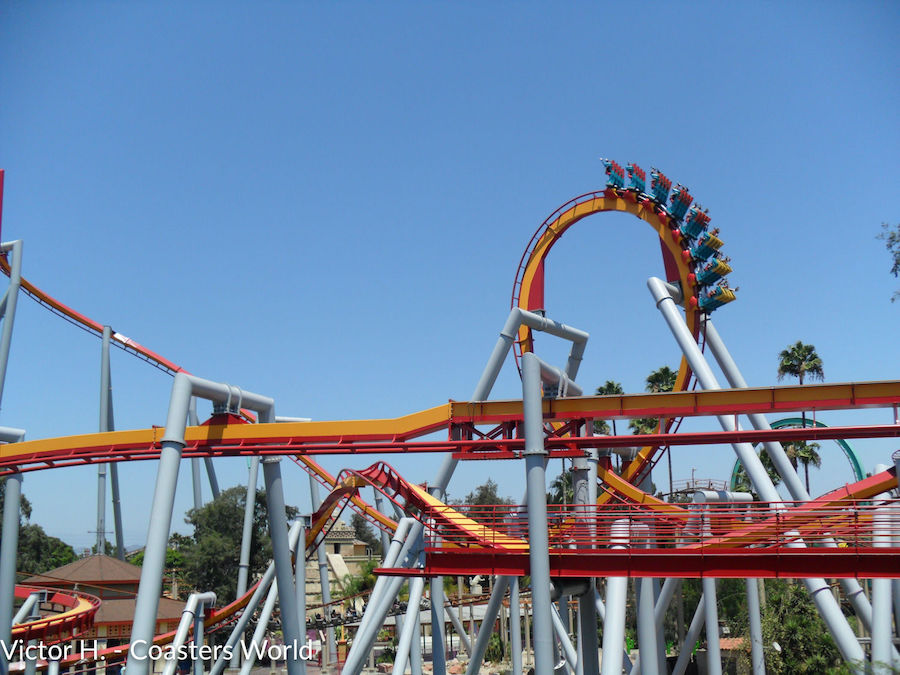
(614, 529)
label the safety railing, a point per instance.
(848, 524)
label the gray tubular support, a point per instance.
(828, 607)
(246, 537)
(516, 318)
(194, 606)
(247, 531)
(789, 475)
(713, 653)
(241, 625)
(562, 636)
(9, 310)
(647, 647)
(300, 575)
(53, 668)
(9, 544)
(385, 537)
(601, 612)
(330, 652)
(515, 633)
(487, 626)
(693, 634)
(107, 423)
(183, 387)
(211, 474)
(281, 554)
(26, 608)
(882, 632)
(104, 426)
(538, 549)
(659, 613)
(415, 652)
(381, 598)
(259, 633)
(459, 628)
(405, 641)
(757, 658)
(614, 614)
(195, 482)
(438, 637)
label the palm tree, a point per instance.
(609, 388)
(661, 379)
(801, 452)
(800, 361)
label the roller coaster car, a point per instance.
(695, 223)
(715, 298)
(659, 187)
(712, 272)
(615, 173)
(680, 202)
(637, 179)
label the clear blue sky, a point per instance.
(326, 203)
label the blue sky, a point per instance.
(326, 203)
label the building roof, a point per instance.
(122, 611)
(98, 569)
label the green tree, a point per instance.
(212, 554)
(561, 489)
(891, 238)
(800, 361)
(660, 380)
(802, 452)
(790, 619)
(486, 495)
(36, 551)
(363, 531)
(39, 552)
(609, 388)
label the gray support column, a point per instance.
(536, 485)
(53, 668)
(195, 482)
(713, 653)
(150, 587)
(626, 658)
(438, 638)
(27, 606)
(246, 539)
(515, 632)
(211, 474)
(198, 636)
(238, 631)
(757, 657)
(107, 424)
(9, 310)
(828, 607)
(381, 598)
(8, 546)
(487, 625)
(659, 615)
(300, 577)
(647, 647)
(281, 554)
(792, 482)
(405, 642)
(247, 530)
(330, 653)
(415, 653)
(456, 620)
(562, 636)
(614, 619)
(385, 537)
(882, 633)
(262, 626)
(693, 634)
